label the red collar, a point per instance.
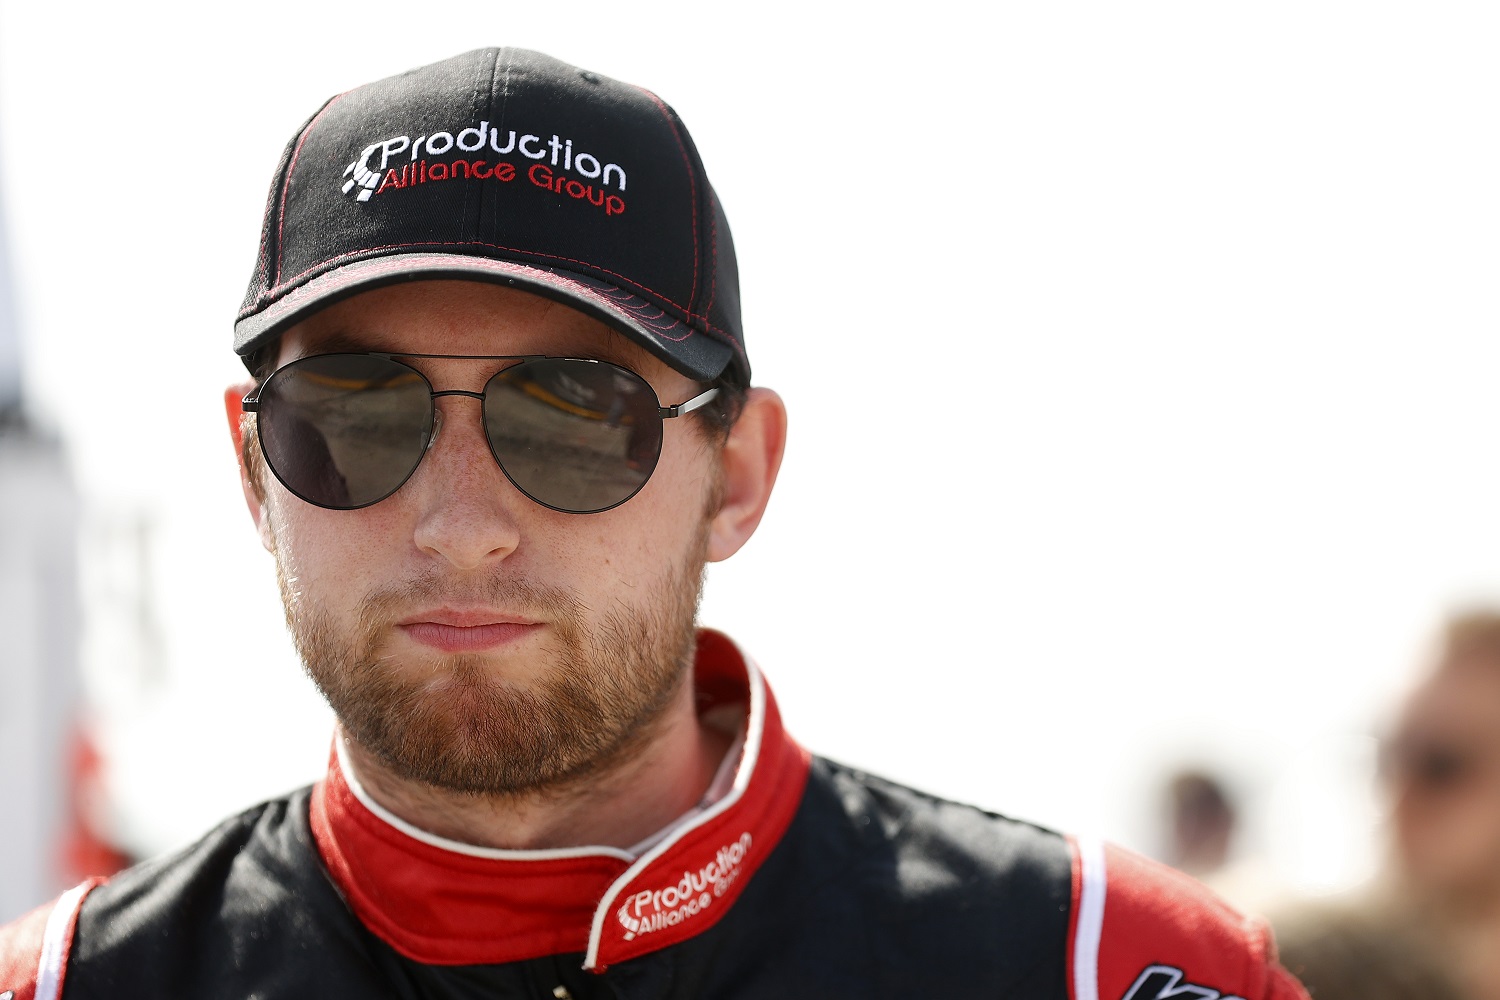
(445, 904)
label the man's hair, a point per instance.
(720, 413)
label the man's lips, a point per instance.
(466, 631)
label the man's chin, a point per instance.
(467, 737)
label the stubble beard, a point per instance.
(450, 723)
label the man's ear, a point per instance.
(750, 459)
(232, 409)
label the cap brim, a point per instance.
(688, 350)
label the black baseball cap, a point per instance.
(507, 166)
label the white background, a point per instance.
(1141, 361)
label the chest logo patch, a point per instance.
(653, 910)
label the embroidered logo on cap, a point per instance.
(403, 162)
(649, 910)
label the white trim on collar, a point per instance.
(458, 847)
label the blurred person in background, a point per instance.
(1429, 926)
(1200, 824)
(1201, 820)
(485, 291)
(1441, 769)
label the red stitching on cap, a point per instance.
(713, 249)
(262, 279)
(287, 182)
(692, 186)
(263, 262)
(642, 317)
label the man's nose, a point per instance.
(466, 505)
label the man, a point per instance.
(500, 418)
(1427, 926)
(1442, 774)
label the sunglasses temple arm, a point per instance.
(667, 412)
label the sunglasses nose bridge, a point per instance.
(458, 392)
(437, 411)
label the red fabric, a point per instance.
(443, 907)
(1284, 986)
(21, 946)
(1077, 879)
(21, 950)
(1157, 918)
(84, 852)
(446, 908)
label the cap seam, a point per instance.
(263, 282)
(286, 184)
(713, 250)
(489, 203)
(505, 84)
(692, 187)
(474, 194)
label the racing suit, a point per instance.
(798, 878)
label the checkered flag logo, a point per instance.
(364, 179)
(630, 924)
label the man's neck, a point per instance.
(618, 807)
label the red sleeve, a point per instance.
(34, 949)
(1141, 931)
(1285, 987)
(21, 952)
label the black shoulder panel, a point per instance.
(246, 911)
(878, 890)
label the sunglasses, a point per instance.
(344, 431)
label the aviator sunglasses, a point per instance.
(344, 431)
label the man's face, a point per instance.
(1444, 777)
(467, 636)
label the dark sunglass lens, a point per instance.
(578, 436)
(344, 430)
